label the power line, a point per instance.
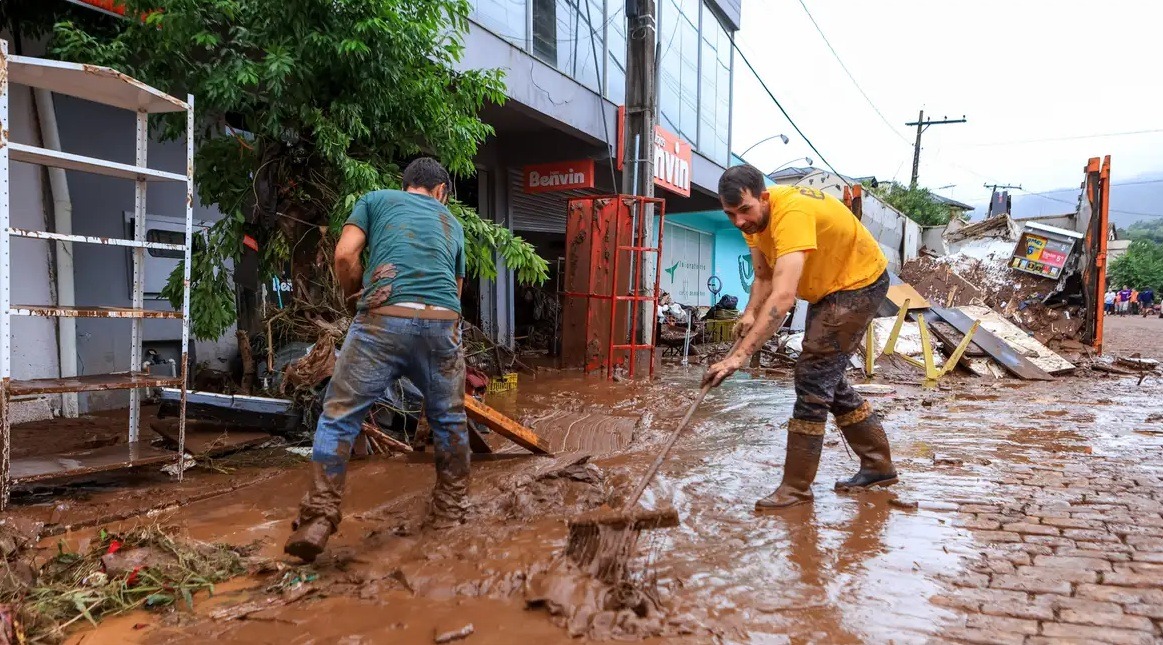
(1065, 138)
(747, 61)
(1113, 210)
(850, 76)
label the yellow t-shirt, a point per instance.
(842, 254)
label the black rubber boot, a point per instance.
(318, 515)
(799, 468)
(865, 435)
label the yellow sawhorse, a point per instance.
(926, 362)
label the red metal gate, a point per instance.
(606, 288)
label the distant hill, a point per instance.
(1129, 203)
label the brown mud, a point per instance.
(869, 567)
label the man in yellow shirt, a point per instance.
(806, 243)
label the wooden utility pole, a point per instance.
(641, 98)
(923, 125)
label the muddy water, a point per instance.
(844, 569)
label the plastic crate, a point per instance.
(505, 383)
(719, 331)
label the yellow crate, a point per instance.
(719, 331)
(504, 383)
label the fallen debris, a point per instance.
(454, 635)
(148, 567)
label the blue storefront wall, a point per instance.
(730, 259)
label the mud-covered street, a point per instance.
(1026, 513)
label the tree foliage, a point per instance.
(1151, 229)
(918, 204)
(303, 106)
(1140, 267)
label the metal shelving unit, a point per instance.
(109, 87)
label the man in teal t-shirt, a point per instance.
(407, 324)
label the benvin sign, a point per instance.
(672, 162)
(672, 157)
(565, 175)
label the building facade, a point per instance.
(565, 65)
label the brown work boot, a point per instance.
(805, 442)
(865, 434)
(318, 515)
(449, 505)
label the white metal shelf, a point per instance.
(91, 82)
(93, 239)
(91, 383)
(54, 311)
(109, 87)
(68, 161)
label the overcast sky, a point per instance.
(1017, 69)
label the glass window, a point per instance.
(715, 81)
(678, 82)
(567, 34)
(159, 236)
(506, 18)
(616, 66)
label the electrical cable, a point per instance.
(755, 72)
(1066, 138)
(851, 77)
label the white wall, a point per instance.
(103, 273)
(34, 339)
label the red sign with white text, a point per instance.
(562, 175)
(672, 162)
(111, 6)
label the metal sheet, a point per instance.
(89, 383)
(68, 161)
(79, 463)
(1007, 356)
(92, 83)
(91, 312)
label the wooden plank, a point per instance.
(1039, 354)
(951, 338)
(91, 383)
(506, 427)
(898, 293)
(1007, 356)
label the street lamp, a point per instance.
(774, 136)
(807, 159)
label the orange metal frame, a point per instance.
(628, 213)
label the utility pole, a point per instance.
(923, 125)
(641, 98)
(638, 142)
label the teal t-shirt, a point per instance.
(415, 250)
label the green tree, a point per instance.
(916, 203)
(1151, 229)
(1141, 266)
(325, 100)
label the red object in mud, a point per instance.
(114, 547)
(132, 578)
(474, 381)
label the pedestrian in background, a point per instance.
(1146, 301)
(1109, 301)
(1124, 300)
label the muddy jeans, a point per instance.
(378, 350)
(836, 325)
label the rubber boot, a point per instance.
(799, 467)
(318, 515)
(449, 505)
(865, 434)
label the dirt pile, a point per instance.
(979, 274)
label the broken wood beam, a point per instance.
(506, 427)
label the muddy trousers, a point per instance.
(836, 325)
(379, 350)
